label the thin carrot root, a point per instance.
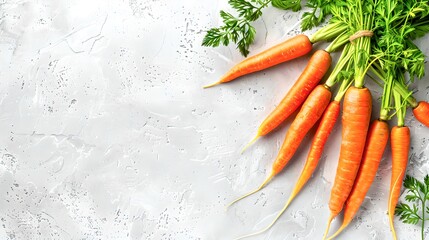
(267, 180)
(392, 226)
(250, 143)
(271, 224)
(338, 231)
(212, 85)
(331, 217)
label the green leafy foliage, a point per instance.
(237, 29)
(294, 5)
(413, 212)
(320, 9)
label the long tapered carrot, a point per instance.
(376, 142)
(310, 113)
(316, 68)
(421, 112)
(324, 129)
(292, 48)
(355, 121)
(400, 144)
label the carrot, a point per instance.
(324, 129)
(292, 48)
(308, 80)
(421, 112)
(309, 114)
(319, 140)
(400, 144)
(355, 120)
(376, 142)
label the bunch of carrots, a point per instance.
(376, 40)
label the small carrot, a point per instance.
(376, 142)
(292, 48)
(355, 120)
(308, 80)
(421, 112)
(309, 114)
(400, 144)
(324, 129)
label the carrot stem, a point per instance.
(328, 32)
(342, 61)
(397, 87)
(338, 42)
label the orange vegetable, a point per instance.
(309, 114)
(400, 143)
(355, 120)
(376, 142)
(421, 112)
(290, 49)
(307, 81)
(324, 129)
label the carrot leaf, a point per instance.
(294, 5)
(417, 196)
(238, 30)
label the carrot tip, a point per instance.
(250, 143)
(252, 192)
(212, 85)
(343, 226)
(329, 225)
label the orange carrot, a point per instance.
(355, 120)
(324, 129)
(400, 143)
(376, 142)
(421, 112)
(309, 114)
(308, 80)
(290, 49)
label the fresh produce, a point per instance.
(357, 108)
(309, 114)
(316, 68)
(421, 112)
(376, 37)
(292, 48)
(400, 142)
(417, 197)
(240, 31)
(376, 142)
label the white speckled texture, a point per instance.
(106, 133)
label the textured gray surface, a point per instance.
(106, 133)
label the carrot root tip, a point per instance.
(250, 143)
(267, 180)
(212, 85)
(329, 226)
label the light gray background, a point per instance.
(106, 133)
